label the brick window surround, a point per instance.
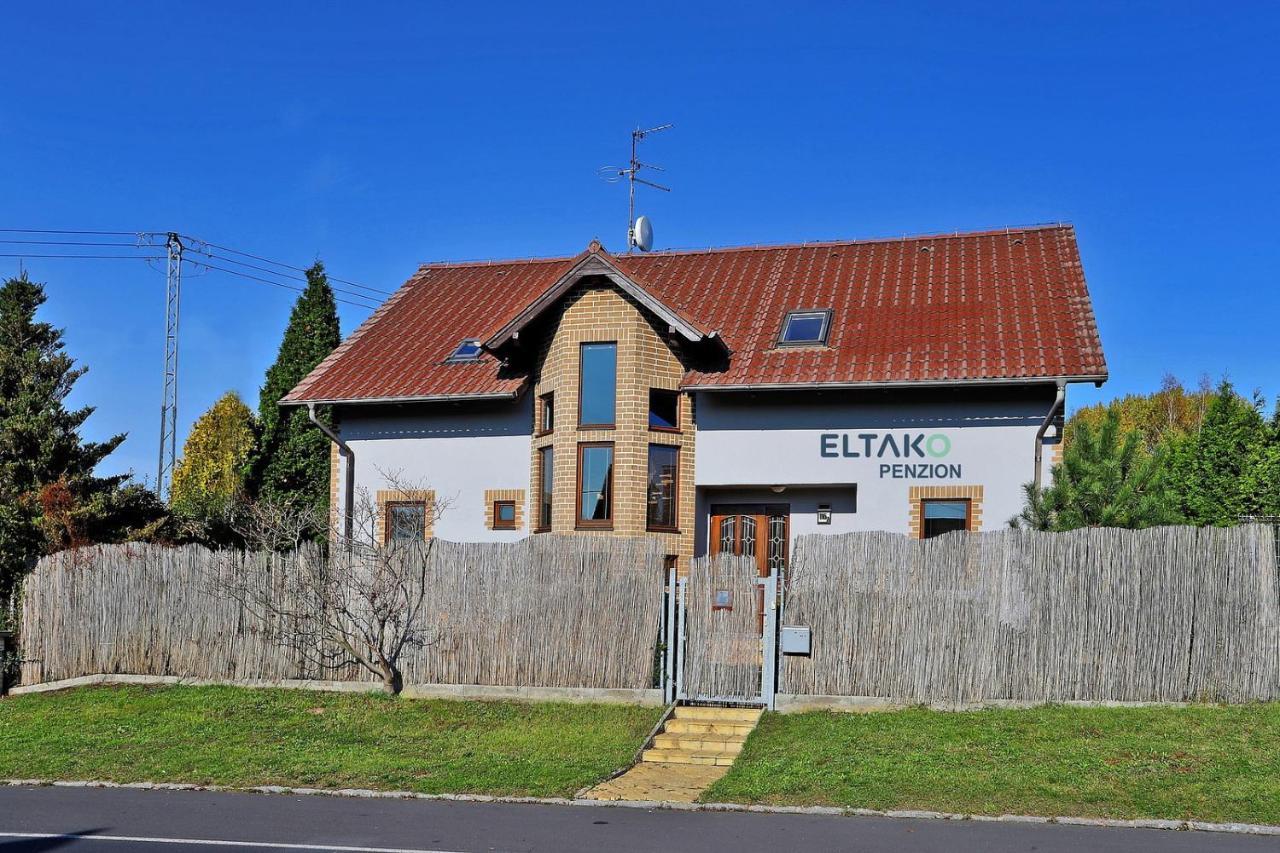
(492, 496)
(387, 496)
(918, 494)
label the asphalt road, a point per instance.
(89, 820)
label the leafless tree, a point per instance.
(361, 601)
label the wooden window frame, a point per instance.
(614, 424)
(541, 524)
(388, 527)
(579, 522)
(545, 400)
(498, 522)
(679, 404)
(675, 490)
(968, 512)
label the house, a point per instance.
(723, 399)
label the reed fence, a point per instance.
(547, 611)
(1166, 614)
(722, 650)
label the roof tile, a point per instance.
(982, 306)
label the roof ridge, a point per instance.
(750, 247)
(861, 241)
(493, 262)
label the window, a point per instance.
(664, 410)
(468, 350)
(406, 521)
(504, 515)
(805, 327)
(595, 485)
(547, 419)
(944, 516)
(597, 384)
(664, 477)
(546, 486)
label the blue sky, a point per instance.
(376, 136)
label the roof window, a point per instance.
(805, 327)
(468, 350)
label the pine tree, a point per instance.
(49, 495)
(209, 478)
(1106, 479)
(1215, 470)
(291, 465)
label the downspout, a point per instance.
(349, 487)
(1058, 400)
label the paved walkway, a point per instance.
(653, 781)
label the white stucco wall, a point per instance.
(459, 451)
(763, 440)
(746, 443)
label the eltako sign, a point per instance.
(886, 445)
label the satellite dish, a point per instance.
(642, 234)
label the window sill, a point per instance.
(544, 433)
(596, 426)
(653, 529)
(504, 527)
(542, 530)
(602, 526)
(668, 430)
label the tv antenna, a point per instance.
(639, 231)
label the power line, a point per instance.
(97, 233)
(142, 235)
(269, 271)
(73, 243)
(286, 266)
(94, 257)
(281, 285)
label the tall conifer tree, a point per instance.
(291, 465)
(47, 485)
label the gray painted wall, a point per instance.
(776, 439)
(457, 450)
(746, 443)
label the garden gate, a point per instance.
(721, 633)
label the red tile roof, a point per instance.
(978, 307)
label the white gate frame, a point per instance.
(676, 636)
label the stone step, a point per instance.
(713, 727)
(706, 742)
(701, 713)
(680, 756)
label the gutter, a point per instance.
(1058, 400)
(429, 398)
(349, 487)
(1097, 379)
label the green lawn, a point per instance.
(1209, 763)
(242, 737)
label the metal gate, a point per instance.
(721, 633)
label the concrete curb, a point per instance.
(830, 811)
(461, 692)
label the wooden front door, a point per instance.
(759, 531)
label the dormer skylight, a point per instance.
(801, 328)
(468, 350)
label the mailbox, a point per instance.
(795, 639)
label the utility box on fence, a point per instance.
(795, 640)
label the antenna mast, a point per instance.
(169, 399)
(613, 174)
